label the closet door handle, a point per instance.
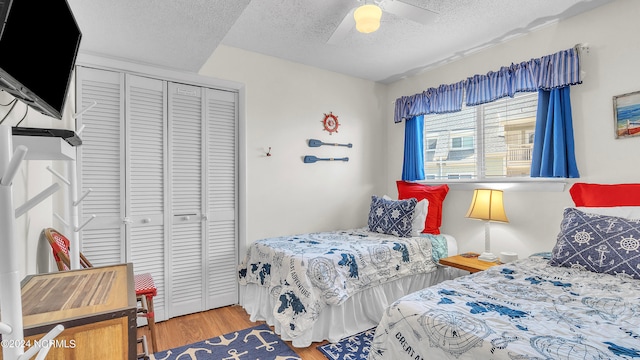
(146, 220)
(185, 217)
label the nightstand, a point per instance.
(470, 264)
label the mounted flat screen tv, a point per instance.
(39, 41)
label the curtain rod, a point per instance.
(582, 47)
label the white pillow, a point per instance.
(419, 216)
(627, 212)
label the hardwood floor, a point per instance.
(192, 328)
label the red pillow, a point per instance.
(605, 195)
(435, 195)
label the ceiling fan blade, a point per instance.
(411, 12)
(345, 27)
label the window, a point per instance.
(462, 142)
(489, 141)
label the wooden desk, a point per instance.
(96, 306)
(470, 264)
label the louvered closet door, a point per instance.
(221, 175)
(186, 260)
(145, 186)
(101, 164)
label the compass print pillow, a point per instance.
(599, 243)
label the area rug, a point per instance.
(350, 348)
(256, 343)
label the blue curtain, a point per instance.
(553, 146)
(413, 165)
(551, 75)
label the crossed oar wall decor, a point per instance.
(317, 143)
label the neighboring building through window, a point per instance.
(493, 140)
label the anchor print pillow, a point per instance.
(599, 243)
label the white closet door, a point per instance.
(222, 199)
(161, 159)
(186, 245)
(101, 164)
(145, 186)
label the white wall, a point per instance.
(284, 106)
(611, 69)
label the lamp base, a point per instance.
(488, 257)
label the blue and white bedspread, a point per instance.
(310, 271)
(522, 310)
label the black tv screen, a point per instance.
(39, 41)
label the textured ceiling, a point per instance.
(182, 34)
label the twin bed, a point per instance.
(329, 285)
(528, 309)
(581, 301)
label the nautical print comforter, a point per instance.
(523, 310)
(308, 272)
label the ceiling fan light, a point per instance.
(367, 18)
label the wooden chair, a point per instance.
(144, 285)
(60, 247)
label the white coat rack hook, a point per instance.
(43, 346)
(80, 130)
(84, 195)
(14, 164)
(5, 328)
(76, 115)
(63, 221)
(37, 199)
(57, 174)
(77, 229)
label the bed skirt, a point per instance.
(360, 312)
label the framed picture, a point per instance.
(626, 115)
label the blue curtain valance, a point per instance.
(507, 81)
(548, 72)
(444, 99)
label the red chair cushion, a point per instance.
(61, 246)
(144, 284)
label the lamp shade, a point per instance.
(367, 18)
(487, 205)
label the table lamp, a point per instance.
(487, 205)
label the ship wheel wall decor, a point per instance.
(330, 123)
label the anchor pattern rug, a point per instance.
(350, 348)
(256, 343)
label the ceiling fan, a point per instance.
(396, 7)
